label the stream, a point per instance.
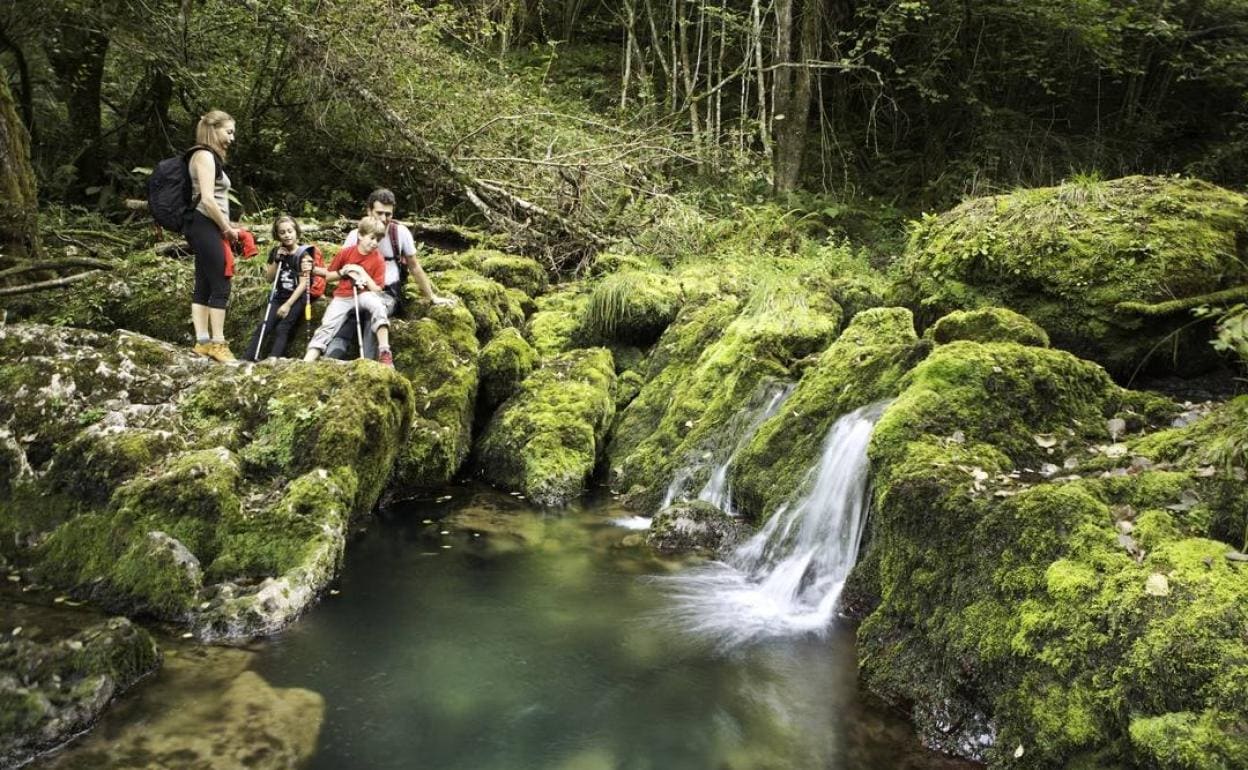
(477, 633)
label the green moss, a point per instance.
(555, 327)
(1068, 256)
(492, 308)
(521, 273)
(545, 440)
(632, 307)
(505, 361)
(311, 511)
(438, 354)
(864, 365)
(990, 324)
(704, 370)
(1189, 741)
(1016, 602)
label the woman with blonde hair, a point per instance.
(209, 232)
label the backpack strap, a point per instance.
(216, 164)
(392, 231)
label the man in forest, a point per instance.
(398, 248)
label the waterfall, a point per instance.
(788, 577)
(745, 424)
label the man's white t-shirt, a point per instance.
(407, 247)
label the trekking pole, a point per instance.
(268, 308)
(307, 304)
(359, 333)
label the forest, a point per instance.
(779, 384)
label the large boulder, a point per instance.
(706, 368)
(864, 365)
(1098, 265)
(436, 349)
(492, 305)
(545, 440)
(52, 689)
(1048, 589)
(153, 481)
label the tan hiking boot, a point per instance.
(202, 348)
(219, 351)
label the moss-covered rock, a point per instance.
(505, 362)
(437, 351)
(1012, 606)
(989, 324)
(545, 440)
(521, 273)
(554, 328)
(53, 689)
(1074, 258)
(705, 369)
(208, 486)
(151, 295)
(863, 365)
(631, 307)
(489, 302)
(695, 526)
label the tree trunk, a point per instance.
(19, 234)
(793, 90)
(77, 58)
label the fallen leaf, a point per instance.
(1157, 585)
(1045, 440)
(17, 631)
(1116, 450)
(1018, 752)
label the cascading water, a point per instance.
(788, 578)
(717, 491)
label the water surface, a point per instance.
(479, 634)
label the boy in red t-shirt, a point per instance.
(360, 265)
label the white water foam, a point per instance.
(788, 578)
(632, 522)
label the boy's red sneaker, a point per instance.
(386, 358)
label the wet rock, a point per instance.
(52, 690)
(695, 526)
(1019, 596)
(705, 368)
(864, 365)
(436, 349)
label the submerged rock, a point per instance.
(1091, 263)
(1009, 608)
(153, 481)
(50, 691)
(695, 526)
(545, 440)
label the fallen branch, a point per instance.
(1171, 307)
(57, 264)
(28, 288)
